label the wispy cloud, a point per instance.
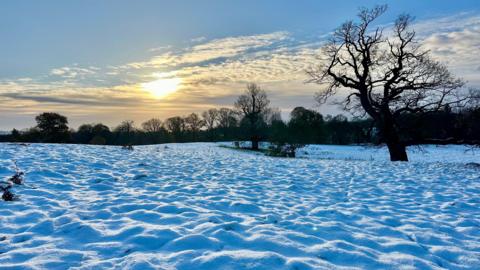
(160, 48)
(73, 71)
(198, 39)
(457, 46)
(224, 48)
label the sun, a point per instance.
(162, 87)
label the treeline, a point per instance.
(252, 119)
(304, 127)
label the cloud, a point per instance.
(214, 72)
(225, 48)
(73, 72)
(198, 39)
(457, 46)
(230, 47)
(451, 23)
(161, 48)
(66, 92)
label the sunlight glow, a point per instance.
(162, 87)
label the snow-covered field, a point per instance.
(200, 206)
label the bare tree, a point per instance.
(127, 126)
(176, 126)
(210, 118)
(385, 76)
(125, 133)
(227, 118)
(253, 106)
(153, 125)
(194, 123)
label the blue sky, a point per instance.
(88, 59)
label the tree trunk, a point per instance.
(397, 149)
(254, 144)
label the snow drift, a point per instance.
(199, 206)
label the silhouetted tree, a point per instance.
(306, 126)
(92, 134)
(387, 75)
(101, 134)
(227, 118)
(84, 133)
(15, 135)
(126, 126)
(193, 124)
(253, 106)
(125, 132)
(278, 132)
(210, 118)
(176, 126)
(283, 138)
(469, 125)
(154, 132)
(153, 125)
(340, 130)
(53, 127)
(227, 123)
(101, 130)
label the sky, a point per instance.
(108, 61)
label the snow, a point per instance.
(200, 206)
(425, 153)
